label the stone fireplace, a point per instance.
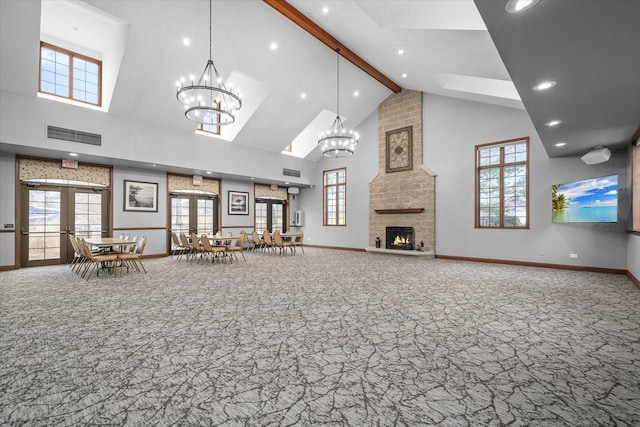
(403, 192)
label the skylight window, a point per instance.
(69, 75)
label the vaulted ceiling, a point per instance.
(447, 50)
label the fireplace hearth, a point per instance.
(400, 238)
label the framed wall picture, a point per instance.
(140, 196)
(399, 150)
(238, 203)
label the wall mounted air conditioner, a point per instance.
(298, 219)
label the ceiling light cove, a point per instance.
(517, 6)
(547, 84)
(553, 123)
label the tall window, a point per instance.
(70, 75)
(502, 184)
(335, 197)
(211, 122)
(635, 184)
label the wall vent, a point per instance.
(290, 172)
(71, 135)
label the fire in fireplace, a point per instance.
(399, 238)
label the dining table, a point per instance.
(104, 243)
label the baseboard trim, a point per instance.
(537, 264)
(634, 279)
(8, 267)
(340, 248)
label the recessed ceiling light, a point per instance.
(152, 164)
(186, 42)
(404, 75)
(400, 51)
(286, 183)
(273, 46)
(516, 6)
(547, 84)
(73, 154)
(303, 95)
(356, 94)
(553, 123)
(209, 172)
(325, 10)
(560, 144)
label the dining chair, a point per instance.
(268, 242)
(278, 242)
(188, 251)
(134, 258)
(214, 250)
(94, 261)
(248, 240)
(197, 247)
(297, 242)
(258, 243)
(238, 247)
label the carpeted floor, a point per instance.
(328, 338)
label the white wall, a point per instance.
(236, 223)
(141, 223)
(7, 208)
(633, 255)
(362, 167)
(452, 128)
(123, 138)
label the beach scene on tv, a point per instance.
(587, 200)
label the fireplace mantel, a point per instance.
(399, 210)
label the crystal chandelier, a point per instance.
(337, 141)
(208, 98)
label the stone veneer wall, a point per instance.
(406, 189)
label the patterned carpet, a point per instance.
(327, 338)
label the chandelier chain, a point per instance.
(338, 82)
(210, 30)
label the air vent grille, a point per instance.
(290, 172)
(71, 135)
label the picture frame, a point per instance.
(140, 196)
(238, 203)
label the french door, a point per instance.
(50, 213)
(270, 215)
(194, 213)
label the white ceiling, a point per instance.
(448, 51)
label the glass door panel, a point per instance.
(270, 215)
(193, 214)
(49, 214)
(44, 225)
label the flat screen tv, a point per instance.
(587, 200)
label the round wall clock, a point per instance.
(399, 149)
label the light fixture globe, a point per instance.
(337, 141)
(208, 98)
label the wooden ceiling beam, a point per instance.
(316, 31)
